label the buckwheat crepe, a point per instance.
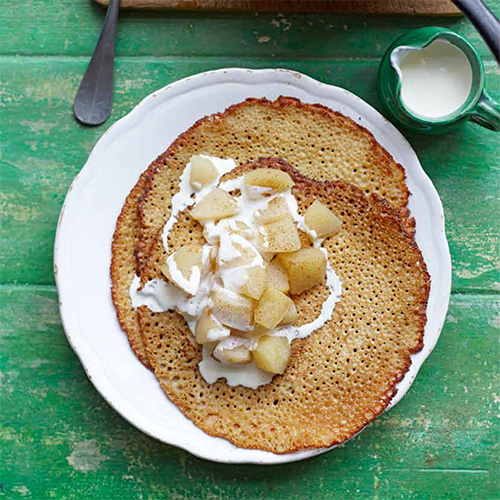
(343, 375)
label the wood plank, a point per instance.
(43, 149)
(61, 440)
(49, 28)
(411, 7)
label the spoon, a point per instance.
(94, 98)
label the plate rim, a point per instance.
(130, 119)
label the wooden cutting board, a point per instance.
(422, 7)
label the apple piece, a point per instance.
(320, 219)
(277, 277)
(269, 178)
(305, 268)
(256, 282)
(272, 354)
(232, 309)
(290, 315)
(275, 210)
(217, 204)
(257, 331)
(267, 256)
(184, 268)
(271, 308)
(203, 172)
(238, 355)
(210, 329)
(279, 236)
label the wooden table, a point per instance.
(60, 440)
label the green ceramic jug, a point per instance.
(479, 107)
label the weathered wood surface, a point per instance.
(427, 7)
(71, 27)
(59, 439)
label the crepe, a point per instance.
(320, 143)
(343, 375)
(124, 267)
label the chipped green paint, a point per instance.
(59, 439)
(439, 442)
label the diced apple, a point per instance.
(277, 277)
(269, 178)
(322, 220)
(203, 172)
(232, 309)
(239, 355)
(305, 268)
(290, 315)
(272, 354)
(209, 329)
(216, 205)
(181, 265)
(279, 236)
(271, 308)
(256, 282)
(267, 256)
(257, 331)
(275, 210)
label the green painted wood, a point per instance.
(61, 440)
(44, 149)
(71, 27)
(58, 438)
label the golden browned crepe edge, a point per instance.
(120, 284)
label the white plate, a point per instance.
(87, 221)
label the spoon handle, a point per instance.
(94, 98)
(484, 21)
